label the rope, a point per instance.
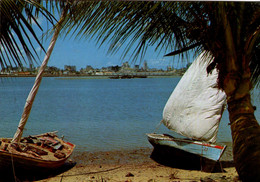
(158, 126)
(95, 172)
(13, 167)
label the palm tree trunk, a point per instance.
(246, 138)
(29, 101)
(245, 129)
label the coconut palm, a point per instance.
(18, 39)
(228, 30)
(30, 99)
(16, 18)
(15, 22)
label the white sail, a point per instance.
(196, 105)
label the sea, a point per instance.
(96, 114)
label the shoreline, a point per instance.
(141, 154)
(136, 165)
(83, 76)
(129, 165)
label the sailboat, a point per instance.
(43, 152)
(194, 110)
(40, 152)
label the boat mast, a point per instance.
(29, 101)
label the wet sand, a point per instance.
(131, 165)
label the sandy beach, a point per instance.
(130, 165)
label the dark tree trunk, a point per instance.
(246, 138)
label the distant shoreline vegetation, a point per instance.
(83, 76)
(124, 71)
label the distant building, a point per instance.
(89, 68)
(126, 68)
(145, 68)
(70, 68)
(153, 69)
(136, 67)
(115, 68)
(169, 68)
(31, 67)
(125, 65)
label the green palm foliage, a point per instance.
(16, 32)
(228, 30)
(172, 26)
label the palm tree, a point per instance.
(17, 36)
(13, 21)
(228, 30)
(30, 99)
(16, 19)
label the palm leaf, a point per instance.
(170, 26)
(16, 31)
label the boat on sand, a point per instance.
(40, 152)
(44, 151)
(194, 110)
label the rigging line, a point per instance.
(158, 126)
(95, 172)
(13, 166)
(61, 178)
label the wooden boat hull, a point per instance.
(202, 149)
(19, 160)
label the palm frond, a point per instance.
(16, 32)
(144, 23)
(170, 26)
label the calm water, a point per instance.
(95, 114)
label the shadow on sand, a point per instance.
(8, 175)
(183, 160)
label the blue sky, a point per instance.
(83, 52)
(86, 52)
